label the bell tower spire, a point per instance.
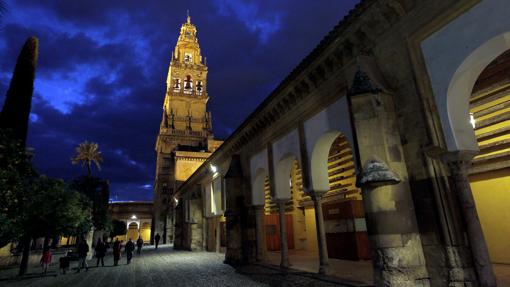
(185, 136)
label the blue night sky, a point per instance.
(103, 65)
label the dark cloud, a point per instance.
(102, 70)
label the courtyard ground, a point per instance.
(165, 267)
(355, 273)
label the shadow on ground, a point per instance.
(275, 276)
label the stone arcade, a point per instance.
(389, 142)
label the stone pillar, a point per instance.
(321, 233)
(179, 227)
(235, 202)
(260, 233)
(196, 224)
(284, 248)
(459, 164)
(397, 252)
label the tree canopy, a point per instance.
(33, 205)
(118, 228)
(97, 191)
(15, 173)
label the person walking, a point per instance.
(139, 244)
(83, 249)
(46, 259)
(100, 252)
(130, 247)
(157, 238)
(116, 252)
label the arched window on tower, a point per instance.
(177, 84)
(199, 87)
(188, 85)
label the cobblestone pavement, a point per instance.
(163, 267)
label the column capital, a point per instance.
(377, 173)
(458, 161)
(316, 195)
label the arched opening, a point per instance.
(258, 195)
(145, 232)
(299, 219)
(344, 216)
(489, 108)
(461, 86)
(333, 172)
(271, 219)
(132, 231)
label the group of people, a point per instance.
(100, 251)
(102, 247)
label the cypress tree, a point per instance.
(16, 110)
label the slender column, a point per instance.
(284, 248)
(260, 232)
(321, 233)
(459, 163)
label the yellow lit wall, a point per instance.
(492, 197)
(132, 233)
(64, 240)
(146, 234)
(311, 230)
(187, 163)
(5, 251)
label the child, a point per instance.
(46, 259)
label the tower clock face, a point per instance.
(187, 58)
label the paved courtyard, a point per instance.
(356, 273)
(163, 267)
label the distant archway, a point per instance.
(133, 231)
(258, 196)
(282, 173)
(319, 161)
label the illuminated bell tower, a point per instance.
(185, 126)
(186, 95)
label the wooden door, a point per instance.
(272, 225)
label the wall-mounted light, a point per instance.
(133, 217)
(213, 168)
(472, 119)
(176, 201)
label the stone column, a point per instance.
(321, 233)
(235, 203)
(260, 233)
(397, 252)
(284, 248)
(459, 164)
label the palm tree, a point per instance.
(86, 154)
